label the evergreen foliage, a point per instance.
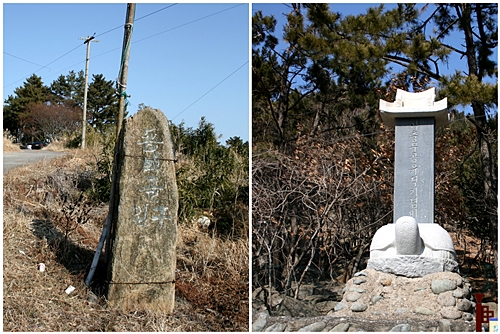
(212, 178)
(59, 102)
(69, 89)
(32, 92)
(103, 167)
(102, 103)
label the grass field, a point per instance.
(45, 221)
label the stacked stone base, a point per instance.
(377, 295)
(412, 265)
(265, 323)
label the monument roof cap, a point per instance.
(415, 105)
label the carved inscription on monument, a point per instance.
(414, 171)
(151, 212)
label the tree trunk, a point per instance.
(464, 12)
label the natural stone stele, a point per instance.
(141, 270)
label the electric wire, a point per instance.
(159, 10)
(44, 66)
(182, 25)
(8, 54)
(79, 45)
(190, 22)
(211, 89)
(168, 30)
(135, 20)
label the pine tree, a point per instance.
(316, 130)
(69, 89)
(102, 103)
(32, 92)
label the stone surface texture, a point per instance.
(358, 324)
(414, 169)
(407, 237)
(141, 269)
(389, 301)
(391, 243)
(429, 297)
(409, 105)
(412, 265)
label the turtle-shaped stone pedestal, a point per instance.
(413, 250)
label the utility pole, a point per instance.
(87, 41)
(122, 80)
(106, 232)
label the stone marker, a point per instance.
(413, 246)
(414, 116)
(141, 270)
(414, 169)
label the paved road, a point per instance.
(16, 159)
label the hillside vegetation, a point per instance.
(323, 161)
(54, 213)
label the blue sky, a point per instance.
(188, 60)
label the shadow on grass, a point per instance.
(76, 259)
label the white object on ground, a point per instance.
(70, 289)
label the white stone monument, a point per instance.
(413, 245)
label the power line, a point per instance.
(24, 60)
(159, 10)
(121, 26)
(118, 48)
(176, 27)
(185, 24)
(211, 90)
(46, 66)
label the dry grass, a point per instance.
(212, 273)
(8, 145)
(58, 146)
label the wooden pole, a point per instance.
(87, 58)
(106, 231)
(127, 38)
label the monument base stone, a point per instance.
(440, 297)
(412, 265)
